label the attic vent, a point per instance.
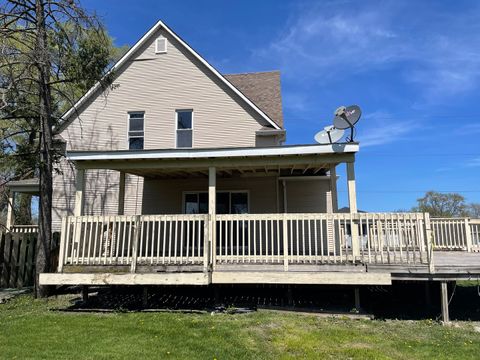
(161, 45)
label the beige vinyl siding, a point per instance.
(100, 195)
(166, 196)
(63, 201)
(158, 84)
(307, 196)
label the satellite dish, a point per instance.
(329, 135)
(346, 117)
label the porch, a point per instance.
(260, 248)
(240, 244)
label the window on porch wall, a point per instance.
(228, 202)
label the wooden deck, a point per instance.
(347, 249)
(449, 266)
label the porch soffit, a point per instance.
(278, 161)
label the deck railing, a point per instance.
(321, 238)
(24, 229)
(133, 240)
(456, 234)
(288, 239)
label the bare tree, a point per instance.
(43, 50)
(442, 205)
(474, 210)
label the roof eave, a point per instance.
(214, 153)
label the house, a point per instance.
(167, 102)
(177, 174)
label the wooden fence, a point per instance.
(17, 256)
(456, 234)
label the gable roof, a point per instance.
(125, 58)
(263, 89)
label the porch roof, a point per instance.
(26, 186)
(308, 159)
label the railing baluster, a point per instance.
(255, 241)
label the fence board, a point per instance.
(17, 258)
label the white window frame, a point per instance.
(184, 193)
(128, 127)
(177, 129)
(157, 51)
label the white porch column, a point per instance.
(352, 203)
(352, 192)
(121, 194)
(80, 186)
(333, 188)
(10, 214)
(212, 202)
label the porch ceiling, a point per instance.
(303, 160)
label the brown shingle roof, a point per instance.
(263, 89)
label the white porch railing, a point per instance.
(456, 234)
(321, 238)
(245, 239)
(24, 229)
(133, 240)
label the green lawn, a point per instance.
(31, 329)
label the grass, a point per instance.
(32, 329)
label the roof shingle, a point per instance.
(263, 89)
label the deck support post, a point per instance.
(357, 299)
(10, 213)
(289, 295)
(352, 203)
(121, 194)
(85, 293)
(444, 301)
(428, 297)
(284, 188)
(80, 185)
(145, 297)
(216, 295)
(212, 201)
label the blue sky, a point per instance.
(413, 67)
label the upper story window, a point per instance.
(184, 126)
(136, 127)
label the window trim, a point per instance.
(177, 129)
(184, 193)
(157, 51)
(128, 128)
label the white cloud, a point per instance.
(380, 128)
(473, 162)
(329, 41)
